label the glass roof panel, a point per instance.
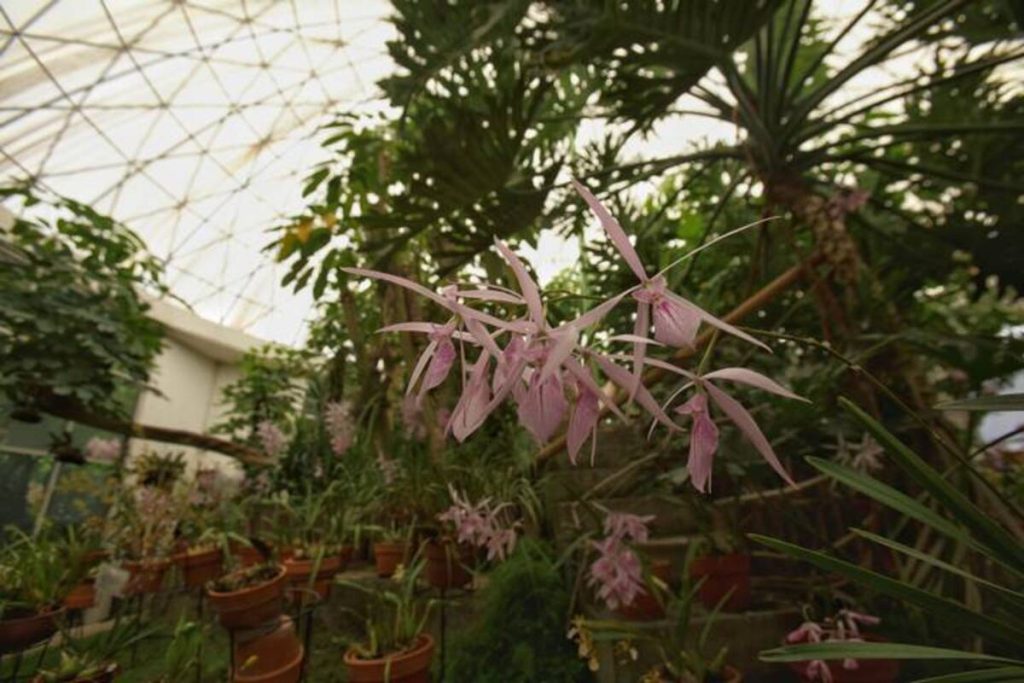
(192, 121)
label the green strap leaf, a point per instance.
(1014, 596)
(863, 650)
(998, 542)
(999, 675)
(941, 608)
(1004, 402)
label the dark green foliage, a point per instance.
(73, 326)
(520, 635)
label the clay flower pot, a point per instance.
(269, 655)
(247, 555)
(252, 606)
(446, 564)
(645, 606)
(867, 671)
(146, 576)
(199, 568)
(345, 555)
(722, 573)
(300, 571)
(82, 596)
(387, 556)
(21, 632)
(409, 666)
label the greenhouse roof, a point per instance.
(191, 122)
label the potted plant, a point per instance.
(35, 578)
(394, 647)
(159, 470)
(207, 530)
(248, 598)
(314, 554)
(270, 654)
(683, 651)
(392, 548)
(720, 561)
(144, 525)
(844, 626)
(92, 660)
(85, 552)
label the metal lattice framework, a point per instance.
(191, 121)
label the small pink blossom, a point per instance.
(624, 526)
(480, 525)
(703, 442)
(104, 451)
(617, 573)
(501, 544)
(388, 469)
(272, 439)
(675, 321)
(338, 423)
(817, 670)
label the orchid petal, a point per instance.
(500, 394)
(742, 419)
(703, 442)
(582, 422)
(676, 324)
(543, 407)
(624, 379)
(441, 363)
(754, 379)
(471, 405)
(594, 315)
(490, 295)
(641, 328)
(716, 322)
(633, 339)
(565, 344)
(614, 231)
(583, 377)
(428, 328)
(421, 363)
(482, 337)
(529, 288)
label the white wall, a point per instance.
(198, 360)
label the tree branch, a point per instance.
(69, 409)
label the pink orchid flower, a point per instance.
(817, 670)
(272, 439)
(703, 442)
(617, 573)
(676, 320)
(101, 450)
(625, 526)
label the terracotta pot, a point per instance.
(300, 571)
(387, 556)
(82, 596)
(867, 671)
(345, 555)
(269, 655)
(19, 633)
(645, 606)
(247, 555)
(250, 607)
(106, 676)
(722, 573)
(198, 569)
(446, 564)
(410, 666)
(147, 576)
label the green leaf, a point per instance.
(862, 650)
(1001, 402)
(941, 608)
(887, 495)
(1005, 674)
(935, 562)
(997, 541)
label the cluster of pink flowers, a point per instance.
(482, 525)
(338, 421)
(100, 450)
(844, 626)
(272, 439)
(550, 373)
(617, 572)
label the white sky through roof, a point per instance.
(191, 122)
